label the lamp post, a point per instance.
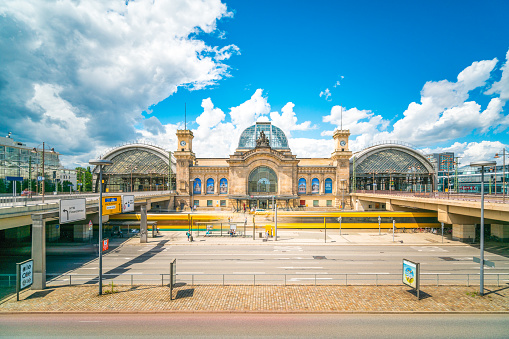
(132, 176)
(343, 193)
(36, 150)
(503, 169)
(191, 187)
(482, 164)
(100, 163)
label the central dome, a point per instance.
(277, 138)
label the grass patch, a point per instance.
(111, 290)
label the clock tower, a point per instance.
(185, 159)
(341, 159)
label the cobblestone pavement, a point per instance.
(264, 298)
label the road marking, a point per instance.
(373, 273)
(311, 273)
(91, 321)
(438, 273)
(293, 268)
(191, 273)
(89, 268)
(249, 273)
(299, 279)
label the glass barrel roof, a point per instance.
(277, 138)
(390, 161)
(138, 162)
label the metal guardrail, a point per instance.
(52, 201)
(346, 279)
(488, 198)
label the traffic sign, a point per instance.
(14, 178)
(39, 178)
(106, 244)
(90, 225)
(486, 262)
(127, 203)
(72, 210)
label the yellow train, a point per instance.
(289, 220)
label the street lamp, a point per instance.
(503, 177)
(343, 193)
(482, 164)
(100, 163)
(36, 150)
(192, 194)
(132, 176)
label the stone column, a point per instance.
(39, 251)
(143, 223)
(464, 233)
(500, 231)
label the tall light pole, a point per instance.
(482, 164)
(503, 168)
(132, 176)
(36, 150)
(191, 187)
(343, 193)
(100, 163)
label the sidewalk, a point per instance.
(263, 299)
(308, 237)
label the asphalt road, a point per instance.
(227, 325)
(300, 263)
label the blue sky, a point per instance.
(85, 76)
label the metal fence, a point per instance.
(488, 198)
(346, 279)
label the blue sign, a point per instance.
(223, 186)
(110, 199)
(210, 186)
(302, 186)
(315, 186)
(14, 178)
(39, 178)
(197, 186)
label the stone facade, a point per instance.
(236, 170)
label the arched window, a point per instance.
(328, 185)
(262, 180)
(315, 186)
(223, 186)
(302, 186)
(197, 186)
(210, 186)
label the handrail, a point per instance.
(346, 279)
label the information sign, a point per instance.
(39, 178)
(14, 178)
(106, 244)
(112, 205)
(72, 210)
(127, 203)
(90, 225)
(411, 274)
(24, 275)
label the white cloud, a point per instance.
(472, 151)
(327, 94)
(108, 60)
(287, 120)
(248, 112)
(502, 87)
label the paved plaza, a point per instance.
(267, 298)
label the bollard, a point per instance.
(468, 280)
(223, 279)
(131, 281)
(376, 279)
(162, 280)
(70, 280)
(315, 279)
(346, 279)
(285, 279)
(437, 279)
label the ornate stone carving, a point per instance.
(262, 141)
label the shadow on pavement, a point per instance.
(39, 294)
(119, 270)
(188, 293)
(497, 290)
(422, 294)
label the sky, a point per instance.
(86, 76)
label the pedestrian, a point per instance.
(188, 235)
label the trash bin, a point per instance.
(190, 238)
(261, 236)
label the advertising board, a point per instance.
(411, 274)
(24, 275)
(127, 203)
(112, 205)
(106, 244)
(72, 210)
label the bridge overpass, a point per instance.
(462, 211)
(25, 218)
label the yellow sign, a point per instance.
(112, 205)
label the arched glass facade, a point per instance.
(277, 138)
(262, 180)
(392, 168)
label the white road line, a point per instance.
(300, 268)
(90, 321)
(89, 268)
(190, 273)
(250, 273)
(311, 273)
(374, 273)
(299, 279)
(438, 273)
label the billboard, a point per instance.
(315, 186)
(112, 205)
(302, 186)
(411, 274)
(127, 203)
(210, 186)
(72, 210)
(223, 186)
(197, 186)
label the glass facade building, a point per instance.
(277, 138)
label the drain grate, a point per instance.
(447, 258)
(319, 257)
